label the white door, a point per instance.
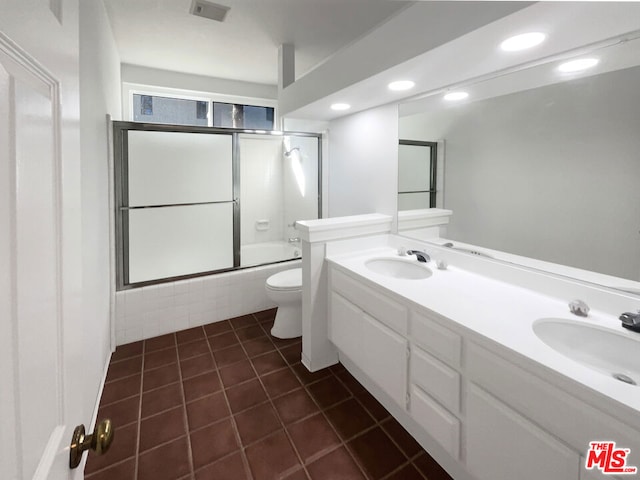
(40, 242)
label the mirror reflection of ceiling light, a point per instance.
(522, 41)
(340, 106)
(453, 96)
(578, 65)
(401, 85)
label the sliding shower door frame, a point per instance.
(433, 167)
(121, 192)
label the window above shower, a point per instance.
(171, 106)
(194, 201)
(184, 111)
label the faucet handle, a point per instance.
(631, 320)
(442, 264)
(578, 307)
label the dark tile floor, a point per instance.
(228, 401)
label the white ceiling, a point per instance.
(162, 34)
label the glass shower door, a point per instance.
(278, 186)
(178, 204)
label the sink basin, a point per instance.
(600, 349)
(398, 268)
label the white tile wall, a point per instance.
(155, 310)
(298, 206)
(261, 188)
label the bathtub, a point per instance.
(268, 252)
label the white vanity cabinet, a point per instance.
(435, 381)
(484, 411)
(369, 329)
(513, 413)
(503, 445)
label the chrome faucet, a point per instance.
(631, 320)
(421, 256)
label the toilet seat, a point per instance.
(286, 280)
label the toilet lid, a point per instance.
(287, 280)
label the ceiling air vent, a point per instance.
(209, 10)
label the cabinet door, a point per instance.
(503, 445)
(597, 474)
(385, 358)
(345, 327)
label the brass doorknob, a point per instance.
(99, 441)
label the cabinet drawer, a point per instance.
(436, 378)
(437, 421)
(388, 311)
(441, 342)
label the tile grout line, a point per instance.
(185, 419)
(279, 348)
(137, 461)
(270, 400)
(343, 443)
(322, 411)
(378, 423)
(243, 456)
(136, 421)
(111, 465)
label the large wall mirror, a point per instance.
(544, 164)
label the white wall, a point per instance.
(261, 196)
(550, 173)
(99, 96)
(300, 192)
(269, 189)
(363, 163)
(165, 78)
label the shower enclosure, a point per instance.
(198, 200)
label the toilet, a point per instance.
(285, 289)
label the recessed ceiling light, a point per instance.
(401, 85)
(578, 65)
(340, 106)
(522, 41)
(452, 96)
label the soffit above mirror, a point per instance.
(569, 26)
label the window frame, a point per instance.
(433, 168)
(131, 89)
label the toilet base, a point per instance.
(288, 322)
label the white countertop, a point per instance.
(500, 312)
